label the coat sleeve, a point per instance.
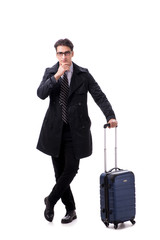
(100, 98)
(47, 85)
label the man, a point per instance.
(65, 133)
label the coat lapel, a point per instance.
(76, 80)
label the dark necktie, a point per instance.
(63, 97)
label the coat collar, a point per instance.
(54, 68)
(78, 69)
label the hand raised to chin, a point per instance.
(61, 70)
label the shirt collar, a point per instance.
(71, 68)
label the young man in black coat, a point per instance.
(65, 134)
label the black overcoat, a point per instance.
(81, 83)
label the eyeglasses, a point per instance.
(67, 53)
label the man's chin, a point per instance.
(66, 63)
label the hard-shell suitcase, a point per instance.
(117, 192)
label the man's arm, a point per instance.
(102, 101)
(47, 85)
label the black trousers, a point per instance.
(65, 166)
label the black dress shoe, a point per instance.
(48, 212)
(69, 217)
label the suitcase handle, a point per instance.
(105, 155)
(106, 125)
(114, 169)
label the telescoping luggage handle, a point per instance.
(105, 150)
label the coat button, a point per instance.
(79, 103)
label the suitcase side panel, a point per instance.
(103, 196)
(121, 194)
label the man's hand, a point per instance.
(61, 70)
(113, 123)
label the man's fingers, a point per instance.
(113, 123)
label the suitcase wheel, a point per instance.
(116, 225)
(106, 223)
(132, 221)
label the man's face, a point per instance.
(64, 55)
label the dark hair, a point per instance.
(64, 42)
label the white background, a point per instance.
(119, 42)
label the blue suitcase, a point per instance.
(117, 192)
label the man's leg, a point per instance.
(66, 167)
(67, 197)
